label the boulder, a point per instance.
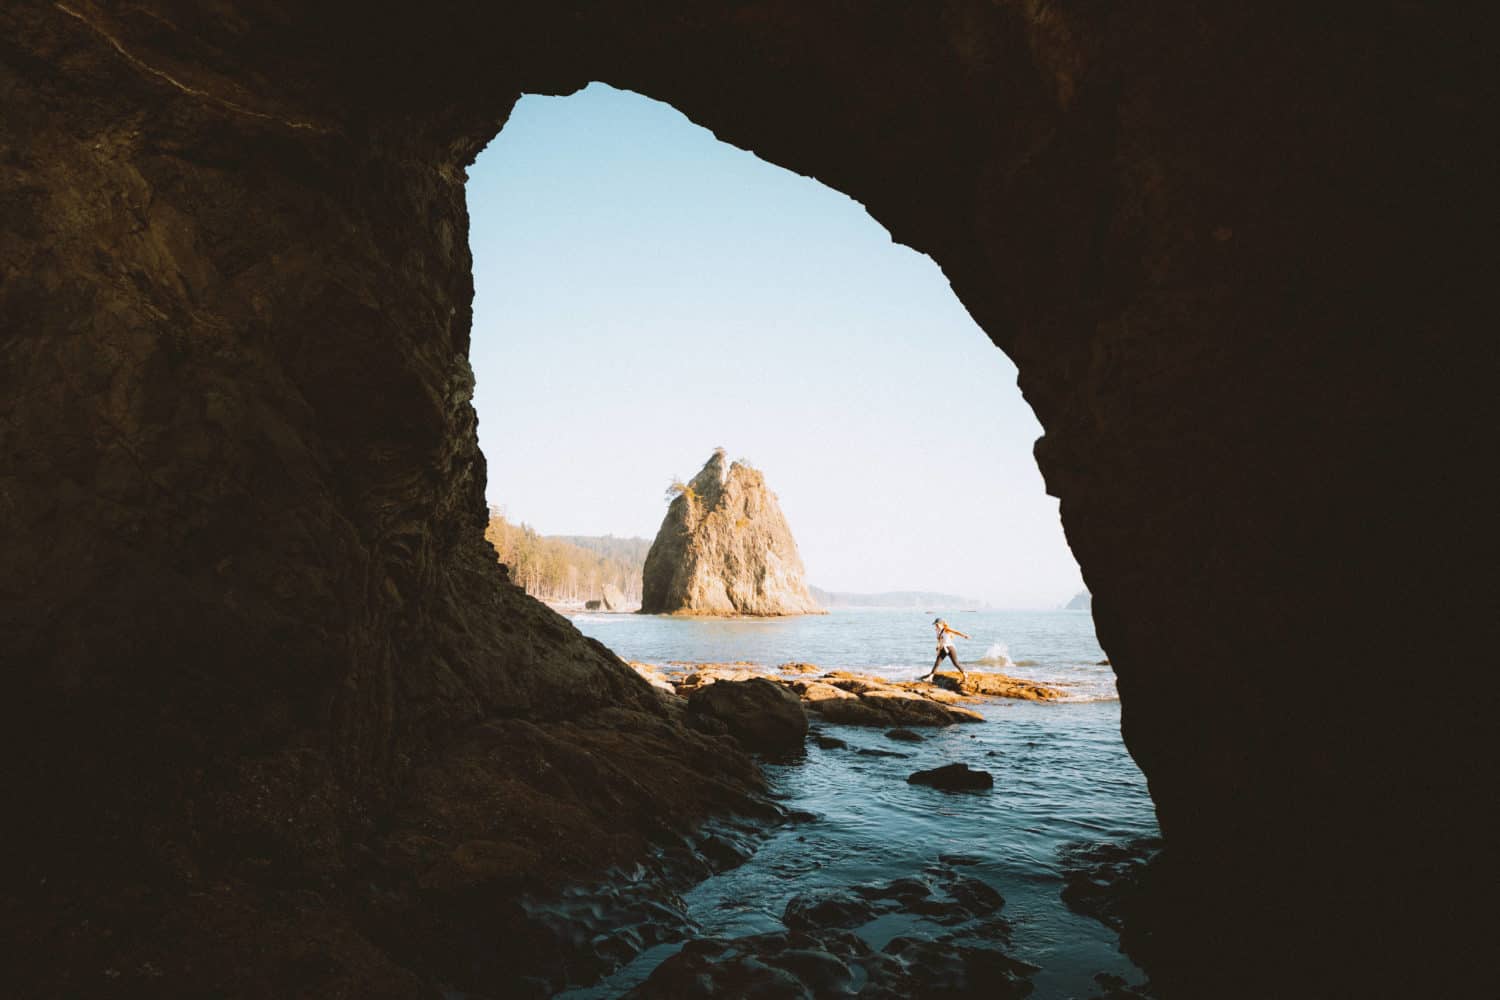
(761, 715)
(724, 548)
(953, 778)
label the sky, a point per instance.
(645, 293)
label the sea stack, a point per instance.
(724, 548)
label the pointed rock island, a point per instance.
(724, 548)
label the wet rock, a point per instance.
(819, 956)
(973, 897)
(829, 910)
(945, 968)
(997, 686)
(724, 851)
(953, 778)
(904, 736)
(762, 716)
(829, 742)
(907, 891)
(875, 752)
(778, 965)
(1107, 881)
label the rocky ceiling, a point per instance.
(252, 639)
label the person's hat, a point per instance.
(937, 621)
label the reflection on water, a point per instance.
(1062, 776)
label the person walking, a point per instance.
(945, 648)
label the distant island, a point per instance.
(724, 548)
(1082, 601)
(923, 599)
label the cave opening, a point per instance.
(645, 292)
(273, 711)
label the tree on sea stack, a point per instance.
(724, 548)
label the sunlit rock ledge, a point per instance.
(839, 696)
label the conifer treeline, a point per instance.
(567, 568)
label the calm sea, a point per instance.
(1062, 778)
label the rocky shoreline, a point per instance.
(842, 697)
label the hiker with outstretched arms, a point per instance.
(945, 648)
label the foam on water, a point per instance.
(998, 655)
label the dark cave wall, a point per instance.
(241, 500)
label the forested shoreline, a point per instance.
(567, 568)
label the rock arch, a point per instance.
(241, 499)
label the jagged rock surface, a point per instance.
(724, 548)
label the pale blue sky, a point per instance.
(645, 293)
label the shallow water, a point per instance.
(1062, 776)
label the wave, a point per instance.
(998, 655)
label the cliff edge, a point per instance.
(724, 548)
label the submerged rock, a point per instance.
(953, 778)
(761, 715)
(724, 548)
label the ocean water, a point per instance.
(1062, 779)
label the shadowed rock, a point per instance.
(819, 956)
(953, 778)
(761, 715)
